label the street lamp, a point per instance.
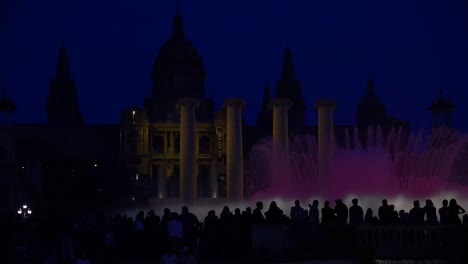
(25, 211)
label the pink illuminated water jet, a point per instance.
(411, 165)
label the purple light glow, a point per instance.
(412, 166)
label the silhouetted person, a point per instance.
(175, 232)
(328, 215)
(369, 218)
(190, 224)
(341, 211)
(211, 221)
(431, 212)
(274, 214)
(384, 212)
(210, 233)
(139, 222)
(314, 212)
(453, 211)
(394, 215)
(247, 216)
(226, 215)
(417, 214)
(164, 220)
(297, 212)
(356, 214)
(237, 216)
(403, 217)
(257, 216)
(443, 212)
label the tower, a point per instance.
(288, 87)
(62, 103)
(371, 112)
(8, 181)
(264, 118)
(178, 72)
(442, 105)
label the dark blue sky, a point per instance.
(412, 49)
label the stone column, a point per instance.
(188, 181)
(280, 138)
(326, 137)
(214, 179)
(235, 164)
(162, 180)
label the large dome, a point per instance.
(178, 70)
(177, 55)
(371, 110)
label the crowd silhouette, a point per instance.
(183, 238)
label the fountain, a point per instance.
(411, 165)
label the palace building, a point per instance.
(176, 144)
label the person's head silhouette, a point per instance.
(259, 205)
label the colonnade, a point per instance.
(234, 145)
(234, 151)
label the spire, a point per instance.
(6, 105)
(63, 68)
(370, 84)
(288, 67)
(178, 24)
(62, 103)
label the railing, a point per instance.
(431, 241)
(395, 237)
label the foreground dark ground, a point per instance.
(248, 236)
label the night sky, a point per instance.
(412, 48)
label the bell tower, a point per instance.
(62, 103)
(8, 185)
(289, 87)
(442, 105)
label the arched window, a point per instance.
(158, 144)
(204, 144)
(177, 144)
